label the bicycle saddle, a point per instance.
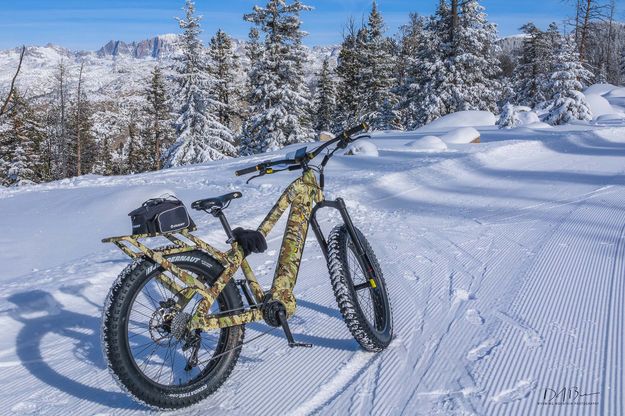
(219, 202)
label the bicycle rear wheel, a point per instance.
(360, 290)
(149, 351)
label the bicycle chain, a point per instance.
(236, 348)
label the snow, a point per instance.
(503, 262)
(527, 118)
(599, 105)
(599, 89)
(362, 148)
(461, 119)
(616, 92)
(427, 143)
(610, 120)
(462, 135)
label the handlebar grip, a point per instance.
(355, 130)
(245, 171)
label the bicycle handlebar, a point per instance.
(343, 137)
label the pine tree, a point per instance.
(457, 64)
(532, 74)
(377, 76)
(325, 98)
(475, 64)
(411, 40)
(349, 85)
(432, 99)
(224, 68)
(20, 144)
(509, 117)
(281, 114)
(57, 124)
(158, 131)
(104, 160)
(82, 146)
(568, 102)
(137, 152)
(200, 135)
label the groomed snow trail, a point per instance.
(504, 262)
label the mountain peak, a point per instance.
(156, 47)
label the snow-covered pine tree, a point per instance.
(20, 144)
(475, 66)
(281, 115)
(200, 135)
(136, 151)
(411, 40)
(57, 124)
(325, 98)
(458, 65)
(226, 91)
(568, 102)
(348, 73)
(158, 133)
(532, 72)
(509, 117)
(83, 152)
(378, 101)
(432, 99)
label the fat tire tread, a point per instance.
(141, 391)
(343, 291)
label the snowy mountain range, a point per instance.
(117, 66)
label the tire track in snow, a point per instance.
(613, 352)
(564, 301)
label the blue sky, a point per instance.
(88, 24)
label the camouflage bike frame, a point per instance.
(305, 197)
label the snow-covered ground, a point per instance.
(504, 262)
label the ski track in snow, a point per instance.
(504, 263)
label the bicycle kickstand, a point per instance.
(287, 332)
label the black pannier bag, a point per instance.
(160, 215)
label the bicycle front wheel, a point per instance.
(360, 290)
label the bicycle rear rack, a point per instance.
(132, 247)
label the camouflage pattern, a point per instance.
(212, 322)
(301, 195)
(257, 289)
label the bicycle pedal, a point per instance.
(281, 315)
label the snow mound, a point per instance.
(462, 119)
(528, 117)
(610, 120)
(427, 144)
(616, 93)
(598, 105)
(362, 148)
(462, 135)
(538, 125)
(600, 89)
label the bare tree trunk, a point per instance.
(78, 126)
(585, 30)
(455, 20)
(157, 140)
(63, 142)
(610, 42)
(12, 88)
(578, 10)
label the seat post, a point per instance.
(224, 222)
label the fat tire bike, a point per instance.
(174, 320)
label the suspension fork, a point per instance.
(338, 204)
